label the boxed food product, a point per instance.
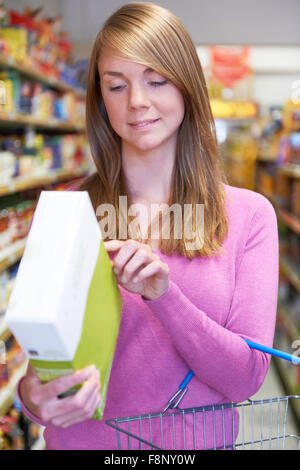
(9, 90)
(65, 307)
(17, 41)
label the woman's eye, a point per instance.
(159, 83)
(116, 88)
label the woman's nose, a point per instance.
(138, 97)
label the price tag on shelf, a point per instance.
(12, 115)
(12, 258)
(53, 122)
(296, 170)
(10, 60)
(11, 186)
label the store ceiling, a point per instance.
(208, 21)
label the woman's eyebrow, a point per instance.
(120, 74)
(113, 74)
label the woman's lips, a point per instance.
(143, 124)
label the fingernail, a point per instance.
(88, 371)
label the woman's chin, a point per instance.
(145, 145)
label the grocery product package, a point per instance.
(65, 307)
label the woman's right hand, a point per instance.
(42, 399)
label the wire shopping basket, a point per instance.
(251, 425)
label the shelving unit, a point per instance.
(20, 120)
(23, 183)
(291, 169)
(237, 149)
(290, 220)
(9, 122)
(24, 69)
(7, 394)
(291, 271)
(4, 331)
(40, 443)
(11, 254)
(289, 373)
(235, 122)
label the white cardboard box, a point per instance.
(65, 307)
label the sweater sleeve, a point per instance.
(217, 353)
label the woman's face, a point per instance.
(144, 108)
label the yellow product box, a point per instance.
(17, 41)
(65, 307)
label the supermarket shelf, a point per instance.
(287, 383)
(39, 76)
(4, 331)
(291, 328)
(266, 158)
(40, 443)
(290, 270)
(290, 220)
(284, 216)
(23, 183)
(235, 121)
(12, 254)
(275, 200)
(290, 169)
(18, 120)
(7, 395)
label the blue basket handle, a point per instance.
(259, 347)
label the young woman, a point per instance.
(186, 305)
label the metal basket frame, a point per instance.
(268, 411)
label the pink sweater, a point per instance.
(198, 324)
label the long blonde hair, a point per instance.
(151, 35)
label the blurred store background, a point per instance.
(250, 52)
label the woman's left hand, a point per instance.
(138, 269)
